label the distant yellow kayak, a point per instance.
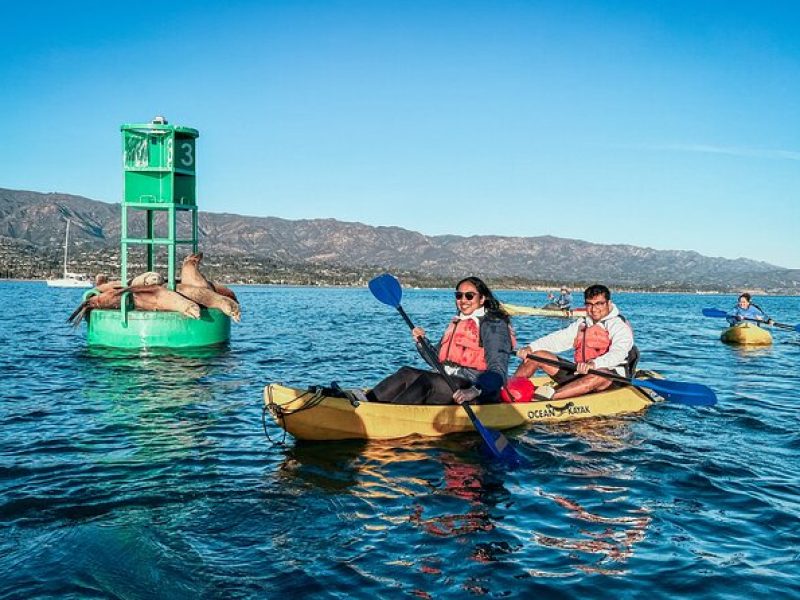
(746, 333)
(516, 310)
(310, 415)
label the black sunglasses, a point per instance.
(467, 295)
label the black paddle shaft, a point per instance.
(430, 356)
(573, 367)
(429, 353)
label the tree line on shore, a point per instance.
(31, 263)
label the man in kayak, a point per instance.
(745, 310)
(563, 302)
(474, 351)
(602, 340)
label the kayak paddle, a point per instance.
(387, 289)
(715, 312)
(691, 394)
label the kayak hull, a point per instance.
(515, 310)
(311, 416)
(746, 334)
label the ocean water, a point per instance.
(131, 475)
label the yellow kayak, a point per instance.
(311, 415)
(747, 333)
(515, 310)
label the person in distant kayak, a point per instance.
(564, 300)
(602, 340)
(474, 351)
(745, 309)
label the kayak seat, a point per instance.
(632, 361)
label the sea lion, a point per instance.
(109, 299)
(148, 278)
(109, 285)
(190, 272)
(211, 299)
(155, 297)
(223, 291)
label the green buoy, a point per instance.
(159, 163)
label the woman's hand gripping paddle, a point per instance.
(387, 289)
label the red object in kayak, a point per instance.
(518, 389)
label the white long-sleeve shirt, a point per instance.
(619, 332)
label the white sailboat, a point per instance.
(70, 280)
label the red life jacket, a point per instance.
(591, 342)
(461, 344)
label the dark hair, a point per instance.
(746, 296)
(491, 304)
(596, 290)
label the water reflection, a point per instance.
(612, 541)
(137, 380)
(160, 402)
(595, 504)
(464, 481)
(329, 468)
(745, 351)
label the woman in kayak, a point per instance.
(746, 310)
(474, 351)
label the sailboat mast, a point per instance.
(66, 245)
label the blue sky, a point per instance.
(672, 125)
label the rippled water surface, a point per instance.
(139, 476)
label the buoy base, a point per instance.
(150, 329)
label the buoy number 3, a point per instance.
(187, 154)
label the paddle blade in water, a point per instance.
(692, 394)
(387, 289)
(501, 449)
(714, 312)
(497, 444)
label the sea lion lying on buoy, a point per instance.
(190, 272)
(109, 286)
(148, 278)
(109, 299)
(191, 275)
(155, 297)
(223, 291)
(211, 299)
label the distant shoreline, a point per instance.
(759, 293)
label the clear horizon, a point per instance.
(671, 126)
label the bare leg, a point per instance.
(582, 385)
(529, 366)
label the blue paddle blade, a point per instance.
(692, 394)
(497, 444)
(387, 289)
(715, 312)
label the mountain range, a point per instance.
(36, 221)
